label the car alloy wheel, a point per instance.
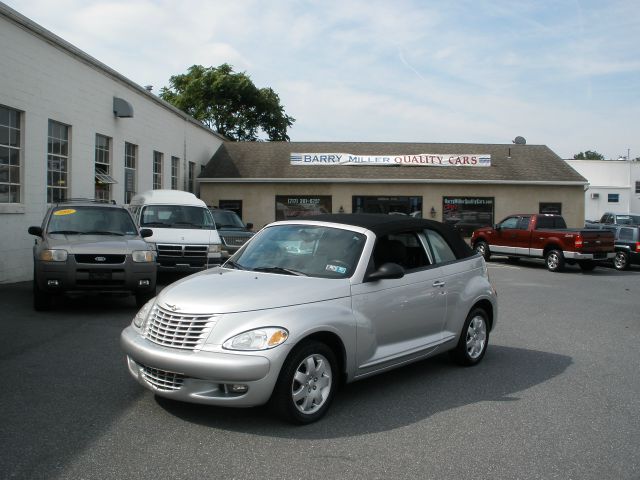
(476, 337)
(621, 262)
(311, 385)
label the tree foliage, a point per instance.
(228, 102)
(588, 155)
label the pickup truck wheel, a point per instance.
(621, 261)
(554, 260)
(306, 384)
(474, 339)
(587, 266)
(483, 249)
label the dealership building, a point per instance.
(466, 185)
(70, 126)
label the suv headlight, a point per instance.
(53, 255)
(141, 317)
(142, 256)
(258, 339)
(215, 248)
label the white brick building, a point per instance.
(60, 136)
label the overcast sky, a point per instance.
(561, 73)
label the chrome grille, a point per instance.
(234, 240)
(173, 330)
(161, 379)
(192, 251)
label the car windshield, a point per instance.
(307, 250)
(226, 219)
(91, 221)
(176, 216)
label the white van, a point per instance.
(184, 232)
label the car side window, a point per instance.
(523, 223)
(405, 249)
(439, 247)
(511, 222)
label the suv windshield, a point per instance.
(302, 250)
(227, 219)
(91, 221)
(176, 216)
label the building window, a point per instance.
(57, 162)
(613, 197)
(465, 214)
(157, 170)
(550, 207)
(191, 177)
(371, 204)
(175, 169)
(294, 206)
(637, 187)
(10, 139)
(130, 161)
(103, 168)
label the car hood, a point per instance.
(221, 290)
(90, 244)
(186, 236)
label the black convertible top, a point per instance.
(385, 224)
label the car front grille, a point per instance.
(161, 379)
(234, 240)
(189, 251)
(187, 332)
(100, 259)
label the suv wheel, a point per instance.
(621, 262)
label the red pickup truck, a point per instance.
(544, 236)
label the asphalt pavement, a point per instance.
(557, 396)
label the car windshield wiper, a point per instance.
(288, 271)
(65, 232)
(232, 264)
(102, 232)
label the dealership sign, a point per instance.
(417, 160)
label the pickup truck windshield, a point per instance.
(176, 216)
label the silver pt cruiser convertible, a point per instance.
(308, 304)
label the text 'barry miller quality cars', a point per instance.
(309, 304)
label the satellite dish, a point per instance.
(519, 141)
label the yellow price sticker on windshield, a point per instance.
(67, 211)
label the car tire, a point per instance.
(587, 266)
(474, 339)
(554, 259)
(621, 261)
(306, 384)
(483, 249)
(144, 297)
(42, 300)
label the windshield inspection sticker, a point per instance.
(67, 211)
(336, 268)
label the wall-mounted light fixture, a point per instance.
(432, 212)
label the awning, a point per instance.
(104, 179)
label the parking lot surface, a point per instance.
(557, 396)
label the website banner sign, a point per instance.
(417, 160)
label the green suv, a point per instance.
(89, 246)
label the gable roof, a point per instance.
(270, 162)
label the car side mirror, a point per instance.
(386, 271)
(37, 231)
(146, 232)
(249, 226)
(497, 226)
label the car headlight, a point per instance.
(258, 339)
(53, 255)
(215, 248)
(142, 256)
(141, 317)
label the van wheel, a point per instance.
(621, 262)
(474, 339)
(554, 260)
(483, 249)
(306, 384)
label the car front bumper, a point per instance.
(202, 376)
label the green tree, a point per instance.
(229, 103)
(588, 155)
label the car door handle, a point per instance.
(438, 283)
